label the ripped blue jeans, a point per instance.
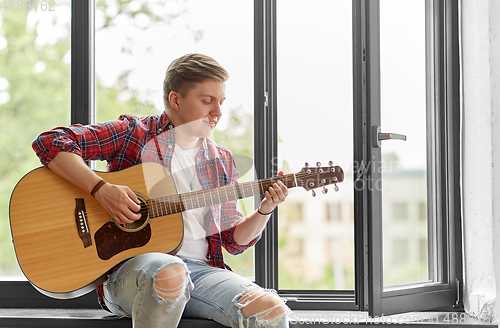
(201, 291)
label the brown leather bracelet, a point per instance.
(97, 186)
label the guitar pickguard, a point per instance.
(111, 240)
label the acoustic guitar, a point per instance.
(65, 242)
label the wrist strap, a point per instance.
(258, 210)
(97, 186)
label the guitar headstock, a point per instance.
(319, 176)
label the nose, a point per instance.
(216, 112)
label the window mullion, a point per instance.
(82, 59)
(265, 132)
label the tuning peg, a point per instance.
(308, 171)
(313, 193)
(325, 190)
(318, 164)
(330, 163)
(336, 188)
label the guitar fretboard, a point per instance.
(196, 199)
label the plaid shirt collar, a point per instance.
(163, 123)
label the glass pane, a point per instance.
(135, 43)
(404, 163)
(35, 96)
(315, 123)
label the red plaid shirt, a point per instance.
(132, 140)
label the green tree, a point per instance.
(36, 98)
(35, 94)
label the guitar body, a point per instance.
(65, 242)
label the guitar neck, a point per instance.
(196, 199)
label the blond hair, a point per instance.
(184, 72)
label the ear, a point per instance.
(173, 99)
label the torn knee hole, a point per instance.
(261, 304)
(170, 281)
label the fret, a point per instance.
(255, 189)
(215, 192)
(208, 201)
(162, 208)
(197, 204)
(183, 202)
(178, 204)
(225, 191)
(236, 192)
(248, 189)
(191, 198)
(202, 200)
(187, 201)
(150, 208)
(265, 185)
(193, 203)
(153, 207)
(243, 190)
(170, 210)
(158, 208)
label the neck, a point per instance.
(185, 140)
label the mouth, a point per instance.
(212, 124)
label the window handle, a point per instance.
(381, 136)
(391, 136)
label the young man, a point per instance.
(155, 289)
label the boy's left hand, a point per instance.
(275, 195)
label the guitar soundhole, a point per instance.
(138, 224)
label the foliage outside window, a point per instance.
(34, 97)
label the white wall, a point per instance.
(481, 156)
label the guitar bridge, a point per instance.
(82, 224)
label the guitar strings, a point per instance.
(175, 203)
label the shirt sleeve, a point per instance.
(233, 247)
(231, 213)
(92, 142)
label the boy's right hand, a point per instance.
(120, 202)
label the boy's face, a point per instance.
(201, 107)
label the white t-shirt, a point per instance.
(186, 179)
